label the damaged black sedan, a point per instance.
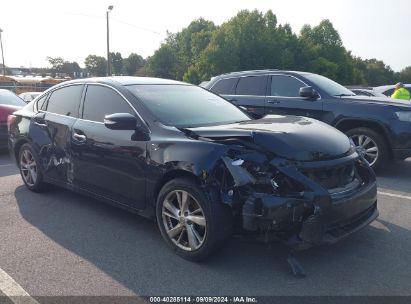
(195, 163)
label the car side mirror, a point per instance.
(121, 121)
(309, 92)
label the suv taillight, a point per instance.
(10, 120)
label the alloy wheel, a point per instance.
(367, 147)
(184, 220)
(28, 168)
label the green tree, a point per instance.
(378, 73)
(117, 63)
(192, 76)
(71, 68)
(96, 65)
(255, 40)
(181, 50)
(405, 75)
(56, 63)
(133, 63)
(61, 66)
(372, 72)
(323, 53)
(144, 71)
(250, 40)
(163, 63)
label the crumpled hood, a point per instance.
(292, 137)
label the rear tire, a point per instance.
(372, 145)
(30, 169)
(191, 223)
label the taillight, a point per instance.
(10, 120)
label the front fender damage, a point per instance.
(265, 198)
(276, 200)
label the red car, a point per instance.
(9, 103)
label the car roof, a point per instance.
(126, 80)
(260, 72)
(384, 88)
(5, 91)
(362, 89)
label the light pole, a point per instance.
(108, 42)
(2, 53)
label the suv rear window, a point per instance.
(252, 85)
(225, 86)
(389, 92)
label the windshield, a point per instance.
(327, 85)
(9, 98)
(186, 106)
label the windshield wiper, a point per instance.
(342, 95)
(189, 133)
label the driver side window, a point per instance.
(285, 86)
(101, 101)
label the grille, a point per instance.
(332, 178)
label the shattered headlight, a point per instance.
(240, 175)
(263, 180)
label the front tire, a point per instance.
(372, 146)
(30, 171)
(192, 224)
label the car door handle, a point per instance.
(79, 137)
(273, 101)
(232, 100)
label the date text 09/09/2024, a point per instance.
(199, 299)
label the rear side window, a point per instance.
(225, 86)
(65, 101)
(101, 101)
(41, 103)
(285, 86)
(389, 92)
(253, 85)
(363, 93)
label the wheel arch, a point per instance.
(168, 176)
(17, 147)
(348, 124)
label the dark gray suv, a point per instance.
(380, 128)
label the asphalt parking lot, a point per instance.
(60, 243)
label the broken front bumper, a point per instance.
(343, 218)
(330, 221)
(317, 217)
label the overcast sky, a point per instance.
(33, 30)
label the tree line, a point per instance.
(97, 65)
(250, 40)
